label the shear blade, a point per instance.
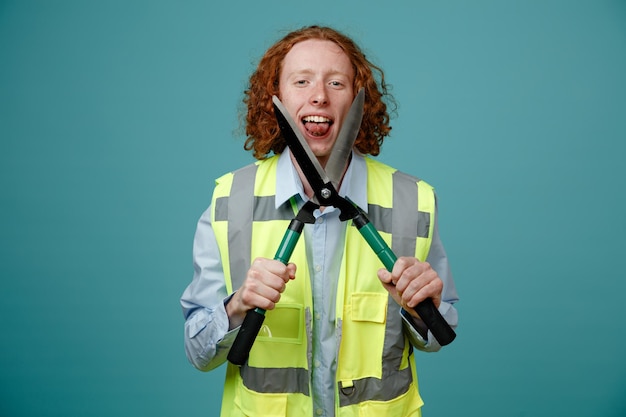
(319, 178)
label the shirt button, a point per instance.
(317, 364)
(320, 220)
(319, 411)
(318, 268)
(318, 316)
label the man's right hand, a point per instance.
(265, 281)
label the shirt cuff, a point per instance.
(417, 327)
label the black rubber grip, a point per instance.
(435, 322)
(245, 338)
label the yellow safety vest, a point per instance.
(375, 371)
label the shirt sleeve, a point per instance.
(207, 338)
(416, 330)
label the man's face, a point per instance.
(316, 89)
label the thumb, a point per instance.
(291, 270)
(385, 276)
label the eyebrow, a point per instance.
(308, 71)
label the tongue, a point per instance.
(317, 129)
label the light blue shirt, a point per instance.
(207, 338)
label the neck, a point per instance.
(308, 190)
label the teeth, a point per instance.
(316, 119)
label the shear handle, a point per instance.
(240, 350)
(426, 309)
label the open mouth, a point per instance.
(317, 125)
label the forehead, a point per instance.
(317, 55)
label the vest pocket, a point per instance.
(252, 403)
(407, 405)
(363, 336)
(283, 324)
(281, 336)
(369, 306)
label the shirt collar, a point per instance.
(354, 184)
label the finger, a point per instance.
(416, 271)
(261, 296)
(417, 292)
(282, 271)
(260, 288)
(399, 267)
(267, 270)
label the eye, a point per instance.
(300, 82)
(336, 84)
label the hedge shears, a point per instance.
(325, 183)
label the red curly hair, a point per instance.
(262, 131)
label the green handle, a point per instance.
(426, 309)
(378, 245)
(254, 318)
(287, 245)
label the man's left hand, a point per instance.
(411, 282)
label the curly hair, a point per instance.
(262, 131)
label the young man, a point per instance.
(339, 331)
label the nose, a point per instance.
(319, 96)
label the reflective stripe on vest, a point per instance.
(238, 206)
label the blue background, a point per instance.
(116, 116)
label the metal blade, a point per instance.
(308, 162)
(338, 159)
